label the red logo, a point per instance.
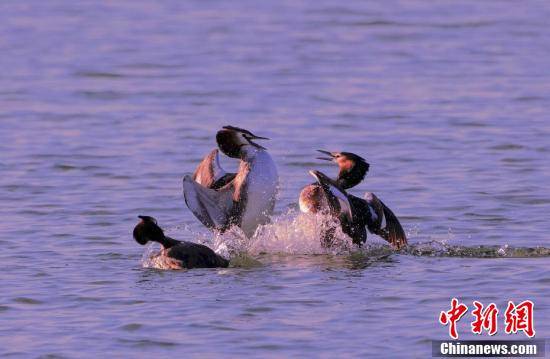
(517, 318)
(485, 319)
(520, 317)
(452, 316)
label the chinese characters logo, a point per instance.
(517, 318)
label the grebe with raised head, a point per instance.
(245, 199)
(354, 214)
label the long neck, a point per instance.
(249, 152)
(167, 242)
(351, 178)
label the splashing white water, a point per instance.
(152, 251)
(289, 233)
(296, 233)
(154, 257)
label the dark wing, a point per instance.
(212, 207)
(356, 229)
(340, 204)
(383, 222)
(337, 198)
(210, 174)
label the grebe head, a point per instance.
(148, 230)
(353, 168)
(231, 139)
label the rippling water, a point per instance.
(105, 106)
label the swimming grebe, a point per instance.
(183, 254)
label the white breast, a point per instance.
(261, 190)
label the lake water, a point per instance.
(104, 106)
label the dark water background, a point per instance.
(105, 105)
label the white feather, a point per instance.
(304, 206)
(345, 206)
(262, 182)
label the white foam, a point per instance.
(292, 233)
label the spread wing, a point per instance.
(337, 197)
(383, 222)
(212, 207)
(345, 207)
(210, 174)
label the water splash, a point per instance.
(154, 257)
(152, 249)
(294, 233)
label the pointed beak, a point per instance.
(331, 158)
(254, 137)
